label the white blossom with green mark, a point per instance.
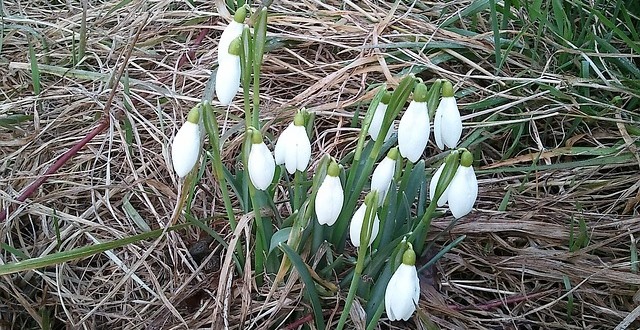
(383, 174)
(260, 162)
(403, 290)
(414, 126)
(447, 125)
(330, 197)
(185, 148)
(293, 148)
(378, 117)
(357, 222)
(462, 192)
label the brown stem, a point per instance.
(103, 124)
(191, 53)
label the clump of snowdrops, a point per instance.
(374, 199)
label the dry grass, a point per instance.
(516, 268)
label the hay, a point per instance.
(514, 270)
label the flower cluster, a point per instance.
(454, 183)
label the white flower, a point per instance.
(185, 148)
(293, 148)
(230, 33)
(357, 221)
(463, 191)
(382, 175)
(260, 163)
(228, 79)
(376, 122)
(447, 125)
(330, 197)
(403, 291)
(414, 130)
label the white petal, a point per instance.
(402, 293)
(282, 145)
(329, 200)
(185, 148)
(261, 166)
(376, 121)
(434, 183)
(356, 226)
(228, 79)
(231, 32)
(451, 122)
(290, 156)
(381, 179)
(413, 131)
(303, 148)
(463, 191)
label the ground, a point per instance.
(549, 97)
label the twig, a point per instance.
(500, 302)
(104, 123)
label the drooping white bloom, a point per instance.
(228, 78)
(185, 148)
(463, 191)
(357, 221)
(403, 290)
(383, 173)
(447, 125)
(228, 74)
(330, 197)
(378, 117)
(230, 33)
(293, 148)
(414, 127)
(260, 163)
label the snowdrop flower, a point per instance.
(357, 222)
(413, 130)
(447, 125)
(403, 289)
(230, 33)
(462, 192)
(293, 148)
(260, 163)
(330, 197)
(228, 74)
(185, 149)
(382, 175)
(378, 117)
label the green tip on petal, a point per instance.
(194, 115)
(235, 47)
(466, 159)
(420, 93)
(298, 120)
(447, 89)
(386, 98)
(240, 15)
(409, 256)
(393, 153)
(256, 137)
(334, 169)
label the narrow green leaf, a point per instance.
(79, 253)
(310, 288)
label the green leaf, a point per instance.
(310, 288)
(281, 236)
(80, 253)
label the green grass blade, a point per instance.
(310, 288)
(79, 253)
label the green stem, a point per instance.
(260, 237)
(297, 190)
